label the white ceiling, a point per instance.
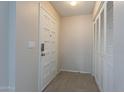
(82, 8)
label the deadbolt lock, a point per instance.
(42, 54)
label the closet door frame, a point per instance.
(103, 53)
(93, 64)
(39, 52)
(96, 49)
(97, 54)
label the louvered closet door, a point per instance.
(47, 40)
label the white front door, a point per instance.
(48, 48)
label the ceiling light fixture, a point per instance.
(73, 3)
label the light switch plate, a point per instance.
(31, 44)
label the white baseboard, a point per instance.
(93, 74)
(4, 89)
(58, 71)
(11, 89)
(74, 71)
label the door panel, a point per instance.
(103, 47)
(47, 41)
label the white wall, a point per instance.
(12, 44)
(23, 66)
(119, 46)
(18, 63)
(76, 43)
(4, 26)
(26, 58)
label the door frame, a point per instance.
(103, 8)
